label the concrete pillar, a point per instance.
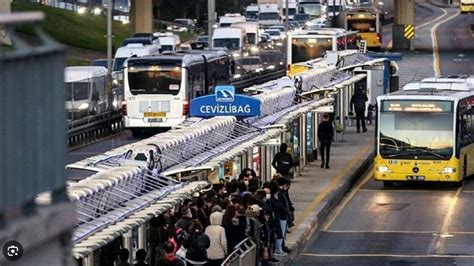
(128, 244)
(404, 11)
(142, 236)
(4, 8)
(141, 15)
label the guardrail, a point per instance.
(248, 80)
(245, 253)
(91, 127)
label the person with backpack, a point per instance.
(283, 161)
(196, 244)
(325, 135)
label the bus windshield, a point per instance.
(154, 79)
(77, 91)
(362, 25)
(304, 49)
(118, 63)
(312, 9)
(416, 135)
(231, 44)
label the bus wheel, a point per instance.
(387, 183)
(457, 184)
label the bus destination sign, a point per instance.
(416, 106)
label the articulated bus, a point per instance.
(367, 22)
(313, 44)
(425, 132)
(158, 88)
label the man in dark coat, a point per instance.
(358, 105)
(325, 135)
(283, 161)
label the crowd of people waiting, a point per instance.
(207, 228)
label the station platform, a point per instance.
(316, 191)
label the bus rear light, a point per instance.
(185, 107)
(123, 107)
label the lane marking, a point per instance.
(449, 215)
(406, 190)
(333, 184)
(434, 39)
(388, 255)
(380, 231)
(347, 199)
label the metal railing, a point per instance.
(244, 254)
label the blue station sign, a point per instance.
(225, 103)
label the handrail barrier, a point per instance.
(245, 253)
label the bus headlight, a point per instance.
(83, 106)
(449, 170)
(383, 169)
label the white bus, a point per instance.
(158, 88)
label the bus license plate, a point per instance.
(155, 120)
(154, 114)
(415, 178)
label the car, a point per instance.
(281, 28)
(100, 62)
(252, 64)
(202, 38)
(275, 34)
(295, 26)
(301, 18)
(265, 37)
(181, 25)
(142, 40)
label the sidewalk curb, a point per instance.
(322, 212)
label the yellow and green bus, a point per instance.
(425, 132)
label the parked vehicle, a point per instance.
(85, 91)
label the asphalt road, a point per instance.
(409, 224)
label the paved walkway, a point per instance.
(316, 191)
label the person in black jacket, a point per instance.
(283, 161)
(325, 135)
(197, 243)
(358, 104)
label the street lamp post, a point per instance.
(109, 37)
